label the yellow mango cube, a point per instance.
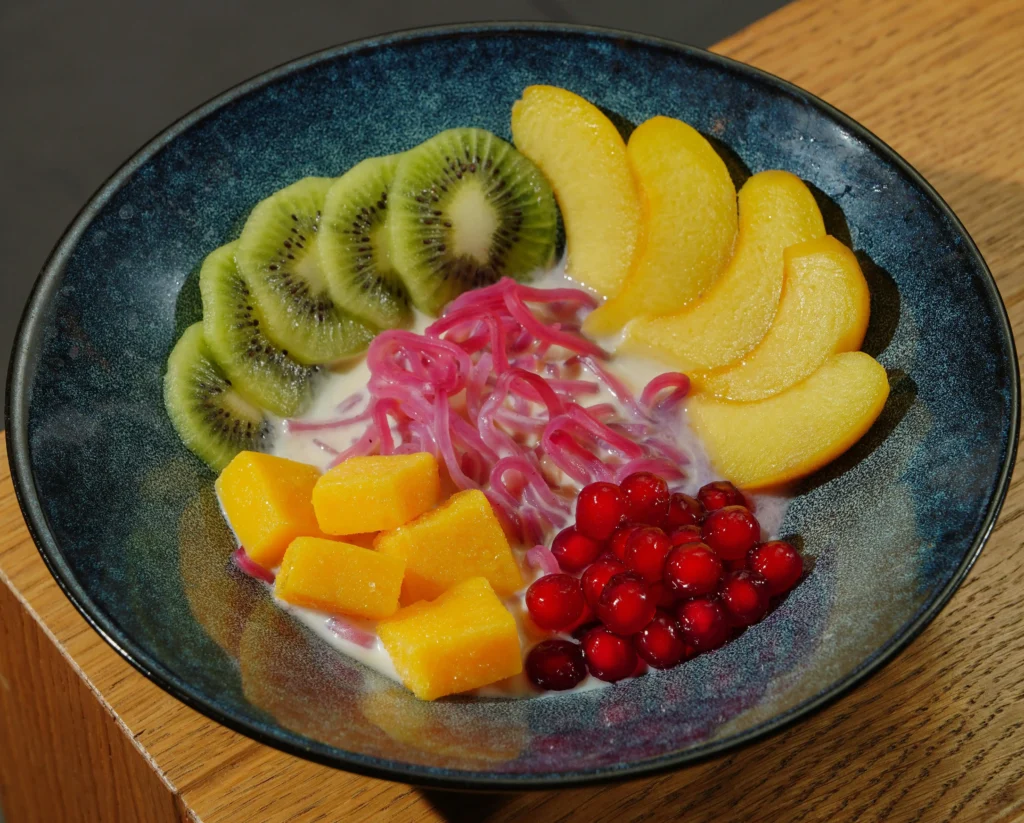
(338, 577)
(463, 640)
(452, 543)
(267, 501)
(374, 493)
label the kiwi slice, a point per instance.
(233, 326)
(279, 258)
(210, 416)
(466, 210)
(355, 245)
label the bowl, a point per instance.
(128, 523)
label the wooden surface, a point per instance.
(935, 736)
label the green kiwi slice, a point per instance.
(279, 258)
(233, 326)
(355, 245)
(467, 209)
(210, 416)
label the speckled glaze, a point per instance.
(127, 521)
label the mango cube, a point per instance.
(463, 640)
(452, 543)
(370, 494)
(267, 501)
(338, 577)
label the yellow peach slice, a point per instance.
(776, 211)
(772, 441)
(824, 309)
(584, 158)
(689, 206)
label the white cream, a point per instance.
(319, 448)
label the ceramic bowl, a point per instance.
(128, 523)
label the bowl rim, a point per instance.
(28, 341)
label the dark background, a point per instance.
(85, 84)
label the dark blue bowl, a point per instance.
(126, 518)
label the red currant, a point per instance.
(609, 657)
(556, 665)
(626, 604)
(703, 623)
(660, 642)
(684, 535)
(574, 551)
(647, 498)
(745, 597)
(600, 508)
(619, 539)
(555, 601)
(719, 494)
(683, 510)
(646, 552)
(597, 575)
(663, 597)
(779, 563)
(692, 570)
(731, 532)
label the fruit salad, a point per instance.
(479, 462)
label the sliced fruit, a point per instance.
(233, 326)
(690, 222)
(452, 543)
(467, 209)
(824, 309)
(268, 502)
(787, 436)
(583, 155)
(377, 492)
(340, 578)
(212, 419)
(279, 258)
(355, 245)
(776, 211)
(463, 640)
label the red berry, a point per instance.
(573, 550)
(719, 494)
(660, 642)
(692, 570)
(683, 510)
(555, 601)
(684, 535)
(703, 623)
(647, 498)
(778, 563)
(596, 577)
(619, 539)
(609, 657)
(556, 665)
(663, 597)
(646, 552)
(626, 604)
(600, 508)
(731, 532)
(745, 597)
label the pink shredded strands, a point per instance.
(493, 389)
(248, 566)
(353, 634)
(541, 559)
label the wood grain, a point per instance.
(935, 736)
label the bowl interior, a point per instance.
(128, 521)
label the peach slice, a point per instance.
(689, 205)
(776, 211)
(584, 158)
(772, 441)
(824, 309)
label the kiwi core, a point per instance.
(308, 267)
(475, 221)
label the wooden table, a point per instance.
(935, 736)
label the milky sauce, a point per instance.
(319, 448)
